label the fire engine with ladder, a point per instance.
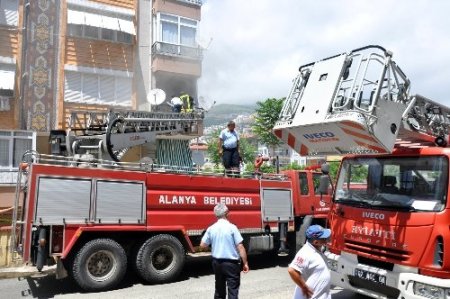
(390, 210)
(94, 214)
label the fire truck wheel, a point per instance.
(300, 235)
(99, 265)
(160, 259)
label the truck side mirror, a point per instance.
(324, 184)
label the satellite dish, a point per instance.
(156, 96)
(204, 103)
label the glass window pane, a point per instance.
(75, 30)
(169, 33)
(169, 18)
(123, 37)
(107, 34)
(188, 22)
(188, 36)
(304, 190)
(18, 133)
(4, 152)
(90, 31)
(20, 147)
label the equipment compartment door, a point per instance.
(276, 205)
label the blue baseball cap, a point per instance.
(317, 232)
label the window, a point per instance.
(177, 30)
(8, 12)
(85, 31)
(93, 88)
(12, 147)
(303, 180)
(98, 26)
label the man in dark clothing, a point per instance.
(229, 148)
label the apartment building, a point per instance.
(60, 56)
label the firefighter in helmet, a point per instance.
(188, 102)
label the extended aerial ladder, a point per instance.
(110, 134)
(358, 102)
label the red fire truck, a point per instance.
(95, 219)
(390, 211)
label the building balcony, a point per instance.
(194, 2)
(162, 48)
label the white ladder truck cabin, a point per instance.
(390, 213)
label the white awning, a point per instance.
(75, 17)
(7, 79)
(93, 20)
(127, 26)
(101, 21)
(110, 23)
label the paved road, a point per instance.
(268, 278)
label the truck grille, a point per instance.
(388, 253)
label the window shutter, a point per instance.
(90, 88)
(123, 91)
(72, 87)
(107, 89)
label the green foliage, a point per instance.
(293, 166)
(334, 167)
(268, 168)
(267, 114)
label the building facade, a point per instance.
(60, 56)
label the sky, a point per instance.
(255, 47)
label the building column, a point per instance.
(41, 63)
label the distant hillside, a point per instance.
(222, 113)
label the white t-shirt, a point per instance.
(312, 266)
(176, 101)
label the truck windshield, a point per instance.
(394, 183)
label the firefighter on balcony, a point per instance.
(188, 102)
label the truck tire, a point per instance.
(160, 259)
(300, 235)
(99, 265)
(41, 257)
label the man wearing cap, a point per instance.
(227, 252)
(229, 149)
(309, 269)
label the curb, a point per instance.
(25, 271)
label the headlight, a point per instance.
(428, 291)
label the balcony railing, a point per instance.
(195, 2)
(162, 48)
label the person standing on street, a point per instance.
(309, 269)
(228, 254)
(229, 148)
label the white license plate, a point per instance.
(370, 276)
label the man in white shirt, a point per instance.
(309, 268)
(176, 104)
(229, 149)
(228, 253)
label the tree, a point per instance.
(267, 114)
(246, 149)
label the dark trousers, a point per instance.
(227, 274)
(230, 161)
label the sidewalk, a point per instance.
(25, 270)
